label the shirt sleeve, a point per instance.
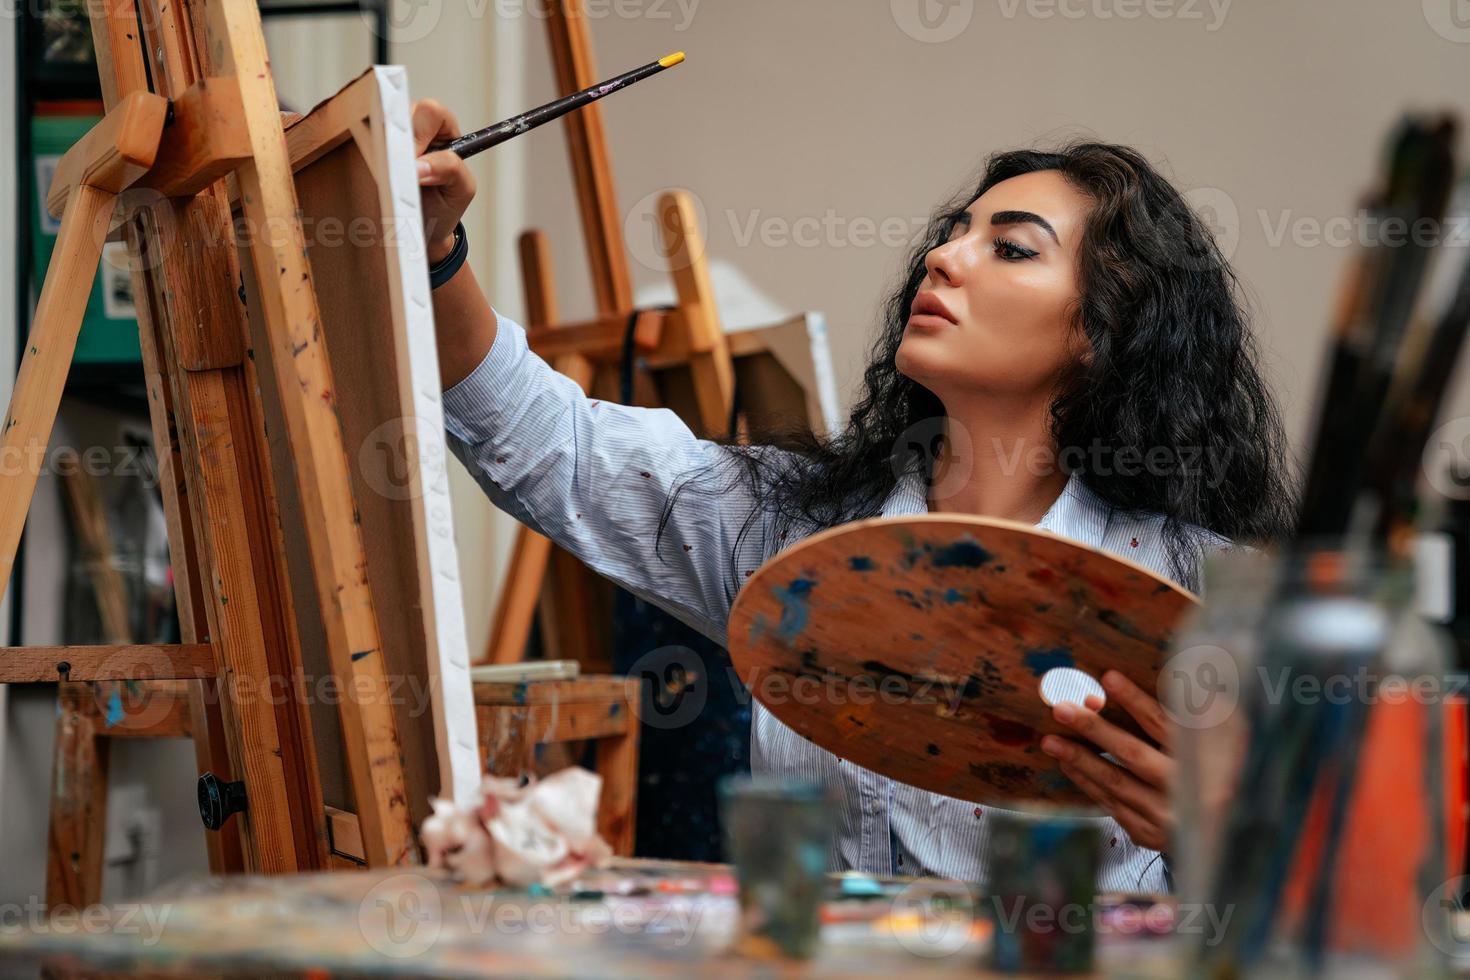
(596, 477)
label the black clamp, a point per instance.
(219, 800)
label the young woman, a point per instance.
(1066, 349)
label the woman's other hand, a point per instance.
(1134, 790)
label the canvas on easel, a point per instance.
(353, 158)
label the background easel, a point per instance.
(687, 339)
(152, 169)
(725, 385)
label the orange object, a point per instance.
(1375, 890)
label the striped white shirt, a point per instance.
(596, 477)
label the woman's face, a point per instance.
(995, 313)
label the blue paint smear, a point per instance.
(953, 596)
(1054, 781)
(1041, 661)
(860, 563)
(961, 554)
(360, 654)
(793, 608)
(114, 707)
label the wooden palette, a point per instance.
(915, 646)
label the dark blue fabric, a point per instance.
(695, 729)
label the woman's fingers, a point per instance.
(1118, 783)
(444, 168)
(1140, 829)
(432, 123)
(1135, 754)
(1144, 707)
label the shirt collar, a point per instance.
(1078, 513)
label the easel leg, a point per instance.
(47, 359)
(78, 801)
(709, 357)
(617, 764)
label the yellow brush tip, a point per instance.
(671, 59)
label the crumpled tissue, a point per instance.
(544, 832)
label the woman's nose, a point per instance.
(945, 264)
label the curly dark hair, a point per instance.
(1173, 365)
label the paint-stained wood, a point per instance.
(29, 665)
(120, 58)
(358, 192)
(187, 556)
(143, 709)
(240, 606)
(118, 46)
(915, 647)
(292, 324)
(78, 818)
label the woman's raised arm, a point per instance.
(595, 477)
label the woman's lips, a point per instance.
(928, 321)
(929, 312)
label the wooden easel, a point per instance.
(153, 168)
(590, 352)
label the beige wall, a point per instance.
(843, 113)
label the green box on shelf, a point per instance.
(110, 328)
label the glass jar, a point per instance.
(1309, 698)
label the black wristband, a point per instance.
(443, 270)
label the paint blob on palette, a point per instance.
(916, 646)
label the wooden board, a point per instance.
(915, 647)
(355, 179)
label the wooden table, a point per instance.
(409, 923)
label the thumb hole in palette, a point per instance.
(1069, 684)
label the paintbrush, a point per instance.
(1419, 385)
(1369, 338)
(482, 139)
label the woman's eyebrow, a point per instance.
(1024, 217)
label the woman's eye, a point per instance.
(1011, 252)
(958, 225)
